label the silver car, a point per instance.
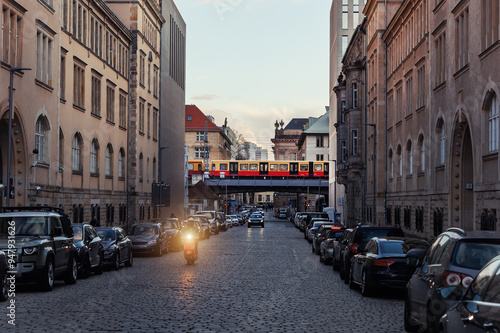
(326, 247)
(312, 230)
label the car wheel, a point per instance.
(158, 251)
(116, 261)
(208, 234)
(352, 285)
(86, 269)
(435, 310)
(321, 258)
(100, 268)
(409, 327)
(130, 260)
(335, 267)
(72, 273)
(341, 270)
(47, 282)
(365, 288)
(5, 288)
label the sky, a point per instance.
(257, 61)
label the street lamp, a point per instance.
(9, 142)
(222, 176)
(205, 176)
(374, 168)
(335, 186)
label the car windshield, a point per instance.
(256, 216)
(475, 255)
(317, 224)
(209, 215)
(36, 225)
(144, 230)
(366, 234)
(77, 232)
(106, 234)
(400, 247)
(169, 225)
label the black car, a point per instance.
(356, 242)
(478, 310)
(117, 246)
(148, 239)
(4, 283)
(382, 264)
(256, 219)
(172, 228)
(90, 250)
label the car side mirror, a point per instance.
(120, 238)
(57, 231)
(90, 238)
(415, 257)
(344, 242)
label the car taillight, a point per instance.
(322, 237)
(353, 248)
(383, 262)
(450, 278)
(330, 244)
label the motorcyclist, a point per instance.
(192, 229)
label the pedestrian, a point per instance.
(93, 221)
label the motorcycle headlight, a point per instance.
(189, 236)
(151, 242)
(30, 250)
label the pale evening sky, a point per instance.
(256, 61)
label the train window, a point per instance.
(190, 166)
(213, 167)
(294, 167)
(233, 167)
(244, 167)
(327, 167)
(254, 167)
(304, 167)
(273, 167)
(318, 167)
(199, 166)
(263, 167)
(283, 167)
(223, 166)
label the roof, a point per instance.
(195, 192)
(321, 126)
(297, 124)
(198, 119)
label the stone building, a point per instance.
(437, 126)
(85, 129)
(285, 139)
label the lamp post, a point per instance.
(223, 176)
(335, 186)
(374, 167)
(205, 175)
(9, 141)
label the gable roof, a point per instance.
(321, 126)
(198, 119)
(296, 124)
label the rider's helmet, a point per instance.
(190, 223)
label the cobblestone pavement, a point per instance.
(246, 280)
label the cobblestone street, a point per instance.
(246, 280)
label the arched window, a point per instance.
(41, 130)
(441, 131)
(109, 160)
(77, 146)
(154, 169)
(147, 169)
(409, 160)
(391, 164)
(421, 147)
(141, 160)
(121, 164)
(400, 161)
(493, 125)
(94, 157)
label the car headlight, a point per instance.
(30, 250)
(151, 242)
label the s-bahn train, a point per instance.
(302, 169)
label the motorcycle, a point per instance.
(190, 249)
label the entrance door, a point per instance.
(294, 169)
(263, 169)
(467, 183)
(233, 168)
(311, 171)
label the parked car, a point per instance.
(296, 218)
(44, 248)
(320, 235)
(171, 227)
(148, 239)
(4, 283)
(313, 215)
(382, 264)
(478, 310)
(360, 235)
(339, 247)
(117, 246)
(256, 219)
(216, 222)
(204, 225)
(229, 221)
(90, 250)
(282, 214)
(453, 259)
(316, 223)
(326, 248)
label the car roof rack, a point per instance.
(33, 208)
(457, 230)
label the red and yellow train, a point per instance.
(303, 169)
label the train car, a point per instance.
(195, 167)
(303, 169)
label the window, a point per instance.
(121, 164)
(344, 151)
(345, 42)
(320, 141)
(141, 167)
(201, 152)
(400, 162)
(354, 95)
(440, 58)
(110, 102)
(189, 118)
(154, 169)
(421, 146)
(390, 110)
(77, 153)
(442, 143)
(421, 87)
(355, 142)
(342, 111)
(319, 157)
(399, 103)
(391, 164)
(44, 46)
(355, 13)
(40, 138)
(155, 124)
(493, 124)
(345, 13)
(142, 69)
(149, 120)
(489, 23)
(94, 157)
(12, 36)
(409, 96)
(96, 94)
(141, 116)
(109, 161)
(149, 76)
(462, 39)
(147, 170)
(200, 136)
(410, 157)
(155, 81)
(78, 85)
(123, 109)
(62, 78)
